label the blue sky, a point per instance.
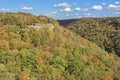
(63, 9)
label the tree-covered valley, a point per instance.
(105, 32)
(38, 48)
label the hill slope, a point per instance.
(105, 32)
(27, 53)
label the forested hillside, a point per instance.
(50, 52)
(105, 32)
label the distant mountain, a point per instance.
(38, 48)
(105, 32)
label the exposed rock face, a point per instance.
(41, 17)
(40, 26)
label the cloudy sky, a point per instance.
(63, 9)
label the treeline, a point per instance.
(32, 54)
(105, 32)
(22, 19)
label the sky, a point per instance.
(64, 9)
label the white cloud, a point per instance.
(67, 9)
(84, 9)
(65, 4)
(26, 8)
(116, 13)
(3, 9)
(88, 15)
(77, 9)
(54, 12)
(76, 14)
(112, 6)
(97, 7)
(117, 2)
(103, 3)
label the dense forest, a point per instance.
(105, 32)
(38, 48)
